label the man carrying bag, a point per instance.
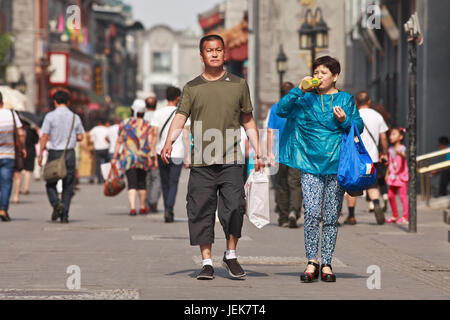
(61, 129)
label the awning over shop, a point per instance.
(236, 41)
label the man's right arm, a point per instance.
(44, 139)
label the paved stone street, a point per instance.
(123, 257)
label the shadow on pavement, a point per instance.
(218, 272)
(338, 275)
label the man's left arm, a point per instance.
(249, 124)
(384, 147)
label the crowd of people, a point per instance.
(305, 130)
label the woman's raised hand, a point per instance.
(339, 114)
(300, 85)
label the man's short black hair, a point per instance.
(211, 37)
(286, 87)
(172, 93)
(1, 98)
(329, 62)
(61, 97)
(443, 141)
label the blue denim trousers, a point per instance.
(68, 181)
(170, 174)
(6, 181)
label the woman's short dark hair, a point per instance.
(61, 97)
(331, 63)
(211, 37)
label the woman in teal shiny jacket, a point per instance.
(311, 142)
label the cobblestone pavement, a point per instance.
(123, 257)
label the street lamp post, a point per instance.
(412, 28)
(313, 33)
(281, 67)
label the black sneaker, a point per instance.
(65, 220)
(207, 273)
(57, 211)
(234, 268)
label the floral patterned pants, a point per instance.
(322, 200)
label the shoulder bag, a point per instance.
(19, 159)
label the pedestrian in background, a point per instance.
(113, 135)
(374, 133)
(311, 142)
(56, 130)
(8, 155)
(170, 173)
(87, 159)
(397, 175)
(99, 136)
(288, 191)
(153, 178)
(32, 138)
(150, 107)
(443, 143)
(216, 101)
(135, 137)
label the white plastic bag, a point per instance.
(257, 199)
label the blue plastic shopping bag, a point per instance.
(356, 169)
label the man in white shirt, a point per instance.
(7, 155)
(170, 173)
(375, 130)
(113, 135)
(99, 135)
(150, 106)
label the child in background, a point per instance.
(397, 176)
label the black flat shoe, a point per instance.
(5, 217)
(327, 277)
(308, 277)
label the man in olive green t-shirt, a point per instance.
(217, 103)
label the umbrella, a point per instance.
(14, 99)
(31, 118)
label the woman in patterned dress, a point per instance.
(135, 160)
(311, 141)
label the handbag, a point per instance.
(257, 199)
(356, 170)
(114, 184)
(19, 159)
(56, 169)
